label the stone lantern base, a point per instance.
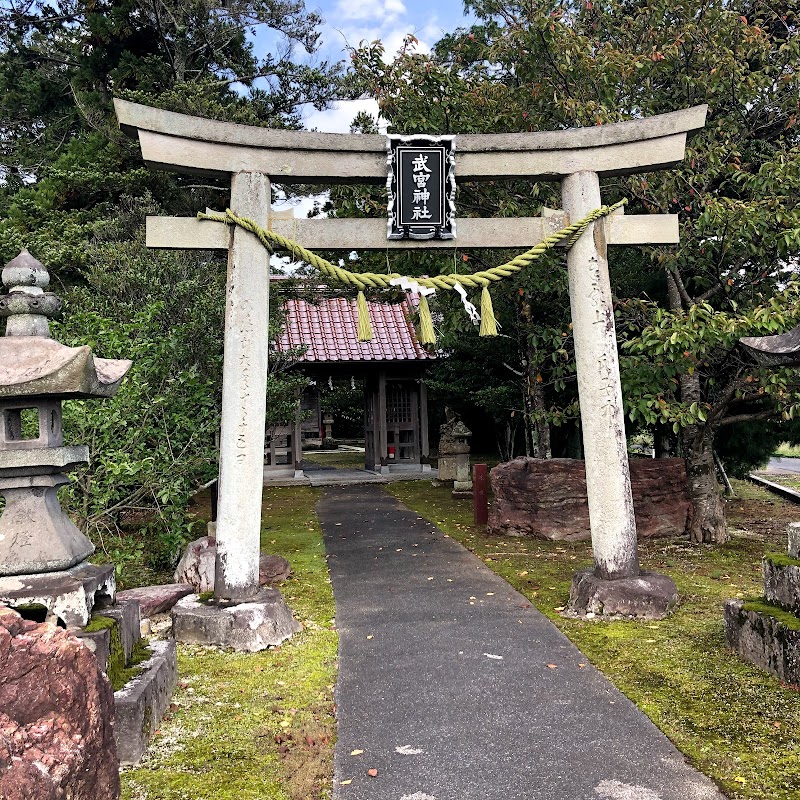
(68, 597)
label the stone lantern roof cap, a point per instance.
(31, 363)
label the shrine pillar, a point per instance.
(244, 383)
(608, 483)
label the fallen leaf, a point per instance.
(356, 752)
(552, 666)
(740, 779)
(370, 636)
(490, 594)
(523, 573)
(559, 608)
(346, 783)
(373, 773)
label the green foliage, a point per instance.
(702, 342)
(530, 67)
(153, 444)
(74, 191)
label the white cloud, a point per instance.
(368, 9)
(338, 118)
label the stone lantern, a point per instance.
(454, 450)
(42, 553)
(328, 442)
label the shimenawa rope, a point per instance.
(372, 280)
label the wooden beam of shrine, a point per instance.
(370, 234)
(193, 145)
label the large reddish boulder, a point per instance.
(546, 498)
(56, 716)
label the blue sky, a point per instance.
(348, 22)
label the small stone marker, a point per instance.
(793, 531)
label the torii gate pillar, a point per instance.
(244, 384)
(608, 484)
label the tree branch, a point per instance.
(746, 417)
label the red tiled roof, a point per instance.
(330, 331)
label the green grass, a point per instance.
(787, 450)
(256, 726)
(735, 722)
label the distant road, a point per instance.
(777, 465)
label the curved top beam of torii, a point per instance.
(182, 143)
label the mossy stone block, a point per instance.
(781, 581)
(766, 636)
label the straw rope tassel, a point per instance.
(426, 332)
(364, 323)
(488, 321)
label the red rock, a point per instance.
(197, 566)
(272, 569)
(57, 718)
(156, 599)
(546, 498)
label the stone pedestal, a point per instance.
(648, 595)
(259, 623)
(29, 482)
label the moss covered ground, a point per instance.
(256, 726)
(736, 723)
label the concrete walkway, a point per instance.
(445, 683)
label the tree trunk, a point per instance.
(707, 524)
(541, 430)
(663, 441)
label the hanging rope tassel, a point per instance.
(426, 332)
(364, 323)
(488, 321)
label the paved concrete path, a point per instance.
(444, 681)
(782, 465)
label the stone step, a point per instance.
(141, 704)
(766, 636)
(782, 581)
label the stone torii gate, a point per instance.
(252, 157)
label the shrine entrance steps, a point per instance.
(444, 684)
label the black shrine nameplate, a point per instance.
(421, 186)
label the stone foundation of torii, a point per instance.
(252, 157)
